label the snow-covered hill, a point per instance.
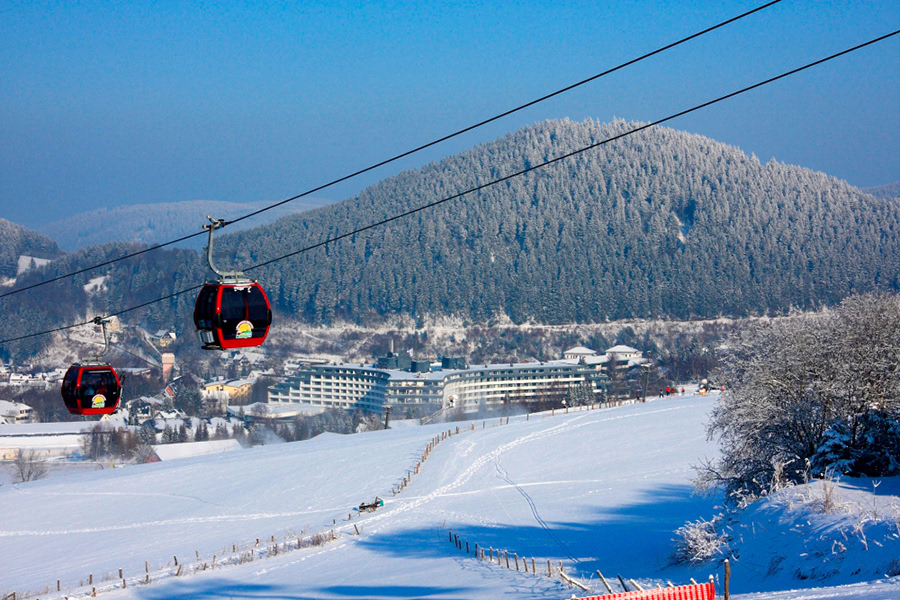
(600, 489)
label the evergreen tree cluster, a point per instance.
(16, 241)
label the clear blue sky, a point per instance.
(111, 103)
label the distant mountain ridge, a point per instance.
(891, 190)
(157, 223)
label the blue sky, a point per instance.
(112, 103)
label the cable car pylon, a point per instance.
(233, 312)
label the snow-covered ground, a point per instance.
(600, 489)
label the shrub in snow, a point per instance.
(698, 542)
(807, 395)
(28, 465)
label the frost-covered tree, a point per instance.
(809, 396)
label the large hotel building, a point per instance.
(420, 387)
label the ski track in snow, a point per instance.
(534, 511)
(135, 494)
(185, 521)
(492, 456)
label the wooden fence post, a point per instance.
(605, 582)
(533, 566)
(549, 569)
(120, 573)
(506, 554)
(90, 579)
(516, 556)
(727, 578)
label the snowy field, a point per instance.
(600, 489)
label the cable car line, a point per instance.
(403, 154)
(497, 181)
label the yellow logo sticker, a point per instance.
(98, 401)
(244, 330)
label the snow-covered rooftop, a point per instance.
(580, 350)
(622, 349)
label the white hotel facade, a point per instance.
(426, 387)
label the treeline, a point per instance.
(306, 427)
(119, 286)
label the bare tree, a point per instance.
(808, 395)
(28, 465)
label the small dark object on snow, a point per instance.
(371, 506)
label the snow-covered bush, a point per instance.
(698, 542)
(806, 396)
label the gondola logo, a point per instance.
(98, 401)
(244, 330)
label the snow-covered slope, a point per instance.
(600, 489)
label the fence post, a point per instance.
(605, 582)
(506, 554)
(533, 566)
(549, 569)
(727, 578)
(516, 556)
(90, 579)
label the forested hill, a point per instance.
(659, 224)
(16, 241)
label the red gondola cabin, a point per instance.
(232, 315)
(91, 389)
